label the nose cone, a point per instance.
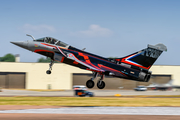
(21, 44)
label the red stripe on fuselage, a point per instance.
(111, 69)
(101, 73)
(90, 55)
(86, 58)
(62, 59)
(135, 64)
(75, 62)
(124, 61)
(89, 64)
(54, 46)
(39, 50)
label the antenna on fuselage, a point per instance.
(30, 36)
(83, 49)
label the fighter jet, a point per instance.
(134, 66)
(163, 87)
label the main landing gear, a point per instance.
(90, 83)
(50, 67)
(100, 83)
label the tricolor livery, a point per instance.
(134, 67)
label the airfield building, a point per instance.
(16, 75)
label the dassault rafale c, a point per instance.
(134, 66)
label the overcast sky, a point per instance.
(109, 28)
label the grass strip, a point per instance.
(89, 101)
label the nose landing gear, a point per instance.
(50, 67)
(48, 72)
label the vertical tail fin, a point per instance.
(144, 58)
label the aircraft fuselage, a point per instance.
(134, 67)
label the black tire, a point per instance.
(100, 84)
(90, 84)
(48, 72)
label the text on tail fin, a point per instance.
(144, 58)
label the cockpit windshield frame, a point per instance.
(39, 40)
(52, 41)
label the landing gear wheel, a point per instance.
(48, 72)
(100, 84)
(50, 67)
(90, 84)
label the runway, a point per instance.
(15, 112)
(97, 93)
(102, 110)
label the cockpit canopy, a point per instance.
(51, 40)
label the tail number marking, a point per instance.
(153, 53)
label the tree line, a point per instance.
(11, 58)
